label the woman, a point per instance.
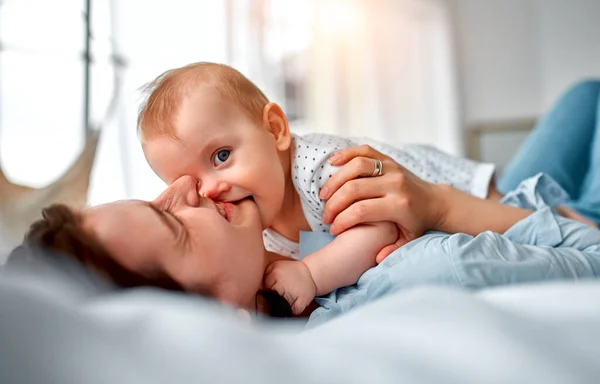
(185, 242)
(182, 241)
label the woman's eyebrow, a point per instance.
(163, 217)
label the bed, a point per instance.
(546, 333)
(442, 309)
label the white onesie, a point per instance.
(310, 171)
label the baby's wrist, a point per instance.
(310, 277)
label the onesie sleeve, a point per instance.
(311, 170)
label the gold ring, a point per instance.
(378, 171)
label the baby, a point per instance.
(209, 121)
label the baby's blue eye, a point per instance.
(222, 156)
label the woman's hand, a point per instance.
(353, 197)
(403, 198)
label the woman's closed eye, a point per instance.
(221, 156)
(182, 233)
(171, 221)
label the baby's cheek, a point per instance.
(271, 207)
(267, 215)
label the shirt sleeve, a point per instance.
(541, 247)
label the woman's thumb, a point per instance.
(386, 251)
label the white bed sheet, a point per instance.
(521, 334)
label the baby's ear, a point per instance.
(276, 122)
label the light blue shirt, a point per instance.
(543, 246)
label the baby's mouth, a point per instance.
(221, 210)
(245, 198)
(225, 208)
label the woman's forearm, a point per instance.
(464, 213)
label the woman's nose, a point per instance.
(183, 192)
(188, 188)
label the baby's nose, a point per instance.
(213, 189)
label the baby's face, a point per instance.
(231, 156)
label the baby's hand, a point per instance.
(293, 281)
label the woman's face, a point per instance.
(207, 248)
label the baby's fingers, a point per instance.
(298, 306)
(272, 280)
(280, 289)
(269, 279)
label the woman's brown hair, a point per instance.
(60, 230)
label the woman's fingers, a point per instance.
(364, 211)
(357, 167)
(352, 191)
(385, 252)
(345, 155)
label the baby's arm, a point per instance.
(346, 258)
(336, 265)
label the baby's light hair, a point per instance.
(166, 92)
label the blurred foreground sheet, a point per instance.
(522, 334)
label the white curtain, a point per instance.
(384, 69)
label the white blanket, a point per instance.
(522, 334)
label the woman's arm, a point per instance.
(472, 215)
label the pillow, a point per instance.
(48, 267)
